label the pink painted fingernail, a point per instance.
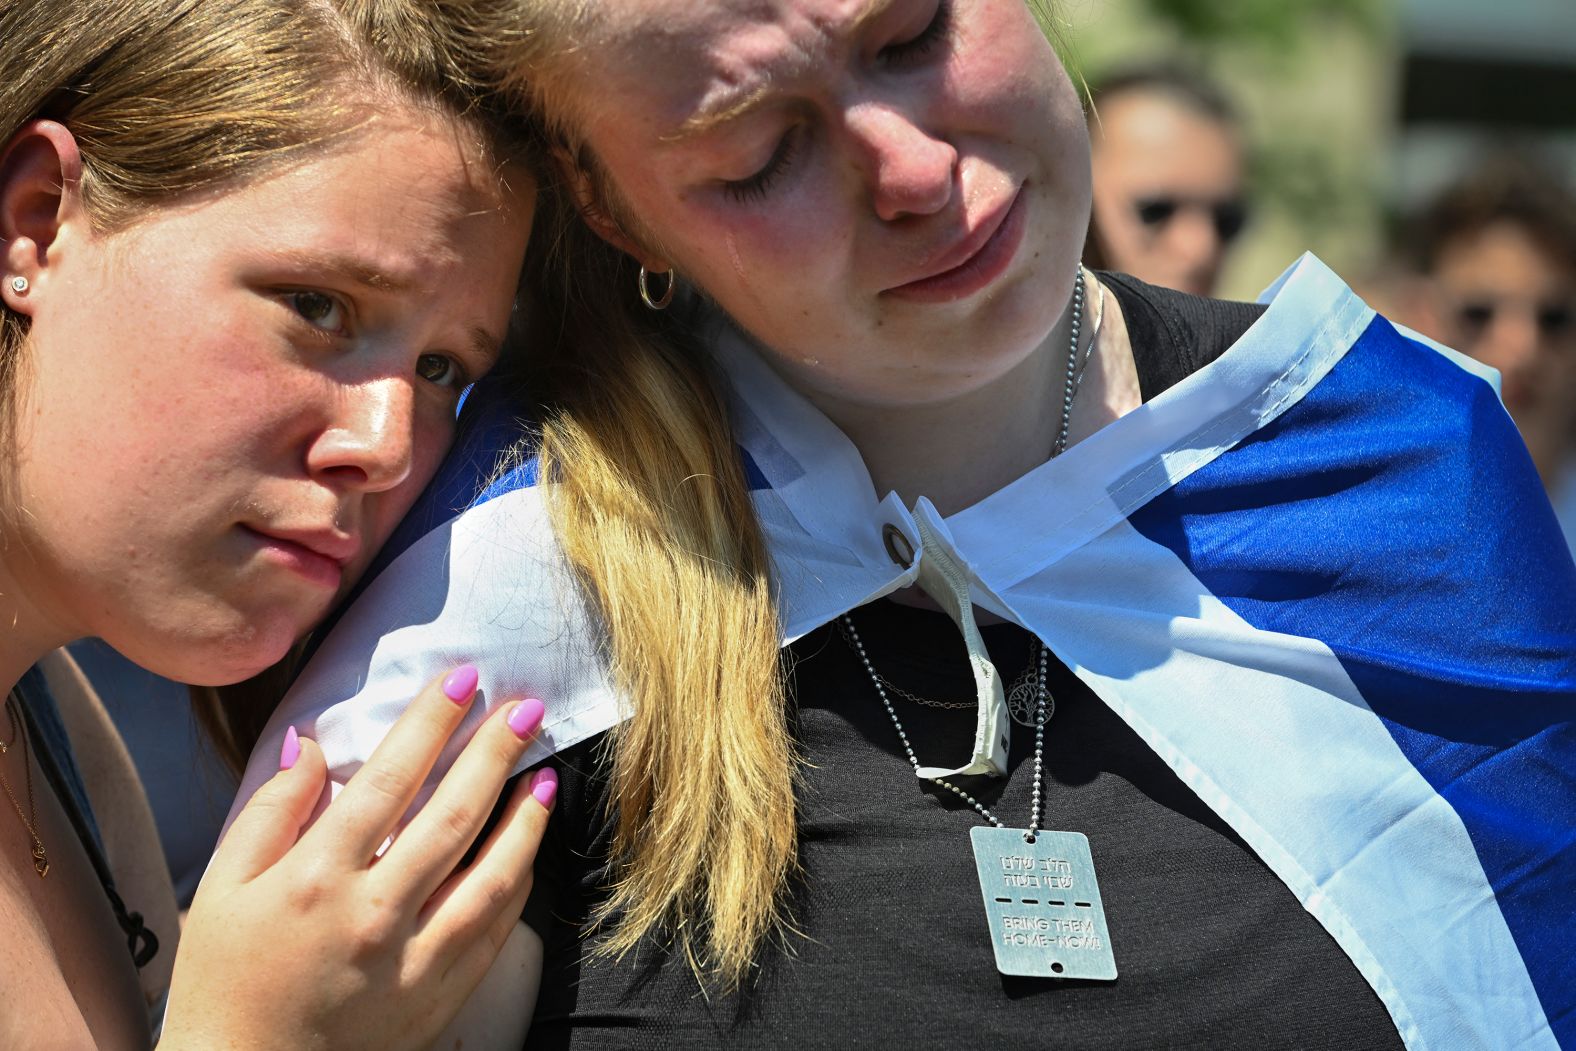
(291, 750)
(526, 717)
(460, 684)
(544, 786)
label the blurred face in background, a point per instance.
(1167, 190)
(1500, 296)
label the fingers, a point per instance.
(436, 839)
(473, 912)
(371, 804)
(271, 822)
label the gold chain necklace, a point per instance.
(30, 818)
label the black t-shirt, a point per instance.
(893, 950)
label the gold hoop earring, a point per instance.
(656, 302)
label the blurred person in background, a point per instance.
(1496, 253)
(1168, 162)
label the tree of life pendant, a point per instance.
(1024, 701)
(1042, 904)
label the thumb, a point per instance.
(272, 820)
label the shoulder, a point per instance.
(1175, 334)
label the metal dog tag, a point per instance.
(1042, 904)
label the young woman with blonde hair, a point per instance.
(251, 253)
(954, 648)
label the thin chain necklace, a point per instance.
(1074, 379)
(1042, 715)
(29, 819)
(1076, 363)
(1020, 695)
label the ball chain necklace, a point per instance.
(29, 819)
(1042, 902)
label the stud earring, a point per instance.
(19, 285)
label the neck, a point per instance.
(959, 451)
(27, 634)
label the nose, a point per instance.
(367, 447)
(1510, 343)
(910, 170)
(1193, 243)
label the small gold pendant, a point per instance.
(40, 860)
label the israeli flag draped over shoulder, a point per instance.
(1318, 577)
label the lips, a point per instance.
(973, 261)
(319, 555)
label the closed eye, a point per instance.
(921, 45)
(755, 187)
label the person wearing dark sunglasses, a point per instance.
(1168, 166)
(1497, 253)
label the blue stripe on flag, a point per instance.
(754, 477)
(1401, 467)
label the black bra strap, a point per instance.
(142, 942)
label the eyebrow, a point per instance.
(357, 270)
(741, 105)
(486, 344)
(482, 342)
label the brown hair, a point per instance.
(170, 98)
(1513, 186)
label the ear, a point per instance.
(593, 211)
(40, 195)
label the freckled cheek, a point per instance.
(251, 420)
(384, 511)
(430, 442)
(431, 435)
(1012, 73)
(794, 244)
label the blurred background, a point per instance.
(1424, 149)
(1355, 112)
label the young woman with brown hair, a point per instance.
(1254, 574)
(251, 252)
